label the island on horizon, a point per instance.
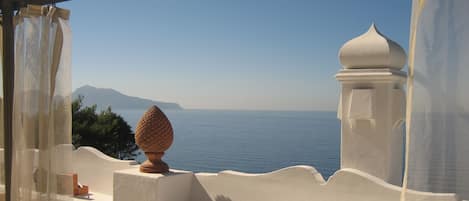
(105, 97)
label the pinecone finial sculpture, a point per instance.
(154, 135)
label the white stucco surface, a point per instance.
(372, 105)
(96, 169)
(131, 184)
(372, 50)
(94, 196)
(298, 183)
(304, 183)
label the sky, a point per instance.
(225, 54)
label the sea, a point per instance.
(249, 141)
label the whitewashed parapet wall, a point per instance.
(301, 183)
(372, 105)
(96, 169)
(298, 183)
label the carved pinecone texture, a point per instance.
(154, 132)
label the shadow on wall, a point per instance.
(222, 198)
(200, 194)
(198, 191)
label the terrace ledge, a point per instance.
(297, 183)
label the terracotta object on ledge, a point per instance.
(154, 135)
(78, 189)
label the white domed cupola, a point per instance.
(372, 105)
(372, 50)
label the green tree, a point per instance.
(105, 131)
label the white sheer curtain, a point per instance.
(438, 147)
(42, 105)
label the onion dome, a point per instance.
(372, 50)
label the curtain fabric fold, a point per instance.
(438, 127)
(42, 106)
(2, 146)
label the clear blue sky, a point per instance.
(225, 54)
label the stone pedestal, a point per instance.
(372, 109)
(131, 184)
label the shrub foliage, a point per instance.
(105, 130)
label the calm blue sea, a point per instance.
(250, 141)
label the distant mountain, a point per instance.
(110, 97)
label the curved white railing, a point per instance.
(297, 183)
(304, 183)
(96, 169)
